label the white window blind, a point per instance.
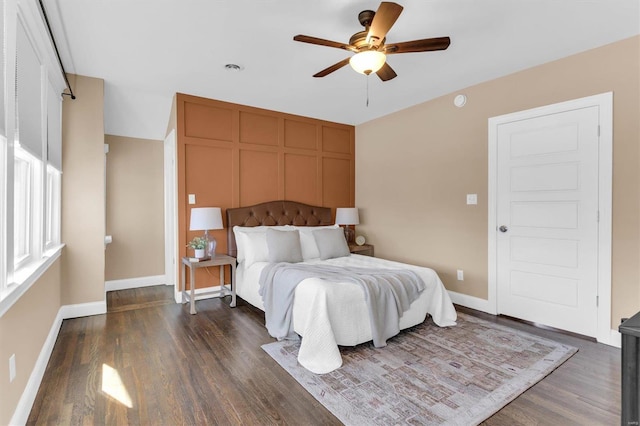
(54, 128)
(29, 95)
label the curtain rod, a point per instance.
(55, 46)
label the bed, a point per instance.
(324, 314)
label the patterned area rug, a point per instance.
(429, 375)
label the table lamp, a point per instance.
(348, 216)
(205, 219)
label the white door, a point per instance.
(547, 219)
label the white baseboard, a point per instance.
(471, 302)
(83, 309)
(135, 282)
(21, 414)
(615, 339)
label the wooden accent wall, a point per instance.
(232, 155)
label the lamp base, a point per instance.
(211, 245)
(349, 234)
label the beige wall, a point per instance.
(23, 331)
(83, 196)
(78, 276)
(135, 208)
(425, 159)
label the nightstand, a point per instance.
(365, 249)
(225, 289)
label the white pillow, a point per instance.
(284, 246)
(308, 242)
(239, 231)
(331, 243)
(251, 242)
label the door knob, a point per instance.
(503, 228)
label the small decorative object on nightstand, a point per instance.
(364, 249)
(199, 245)
(225, 289)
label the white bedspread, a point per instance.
(326, 315)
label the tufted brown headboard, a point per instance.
(274, 213)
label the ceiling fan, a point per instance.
(369, 45)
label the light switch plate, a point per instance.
(472, 198)
(192, 198)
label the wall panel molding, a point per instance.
(232, 155)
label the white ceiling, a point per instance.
(147, 50)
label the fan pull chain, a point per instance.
(367, 91)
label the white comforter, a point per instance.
(326, 315)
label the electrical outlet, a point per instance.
(12, 368)
(192, 198)
(460, 275)
(472, 199)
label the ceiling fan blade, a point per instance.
(424, 45)
(323, 42)
(385, 17)
(332, 68)
(386, 72)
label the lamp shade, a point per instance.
(347, 216)
(205, 218)
(368, 61)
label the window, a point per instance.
(52, 214)
(31, 83)
(23, 169)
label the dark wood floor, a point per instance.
(176, 368)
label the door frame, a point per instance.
(604, 102)
(171, 213)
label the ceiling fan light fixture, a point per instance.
(368, 61)
(369, 45)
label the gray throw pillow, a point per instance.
(284, 246)
(331, 243)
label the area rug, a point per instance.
(429, 375)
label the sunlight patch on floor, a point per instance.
(112, 385)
